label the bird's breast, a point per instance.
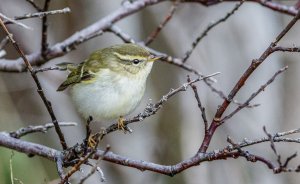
(108, 96)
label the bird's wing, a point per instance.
(78, 73)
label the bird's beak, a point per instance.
(153, 58)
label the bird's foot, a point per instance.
(92, 141)
(121, 125)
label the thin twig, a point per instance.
(254, 65)
(167, 18)
(69, 44)
(286, 49)
(39, 87)
(39, 128)
(208, 28)
(253, 95)
(96, 168)
(44, 42)
(15, 22)
(82, 160)
(273, 146)
(202, 109)
(49, 153)
(39, 14)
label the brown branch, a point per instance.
(253, 95)
(289, 10)
(255, 63)
(200, 106)
(168, 17)
(228, 152)
(44, 41)
(69, 44)
(38, 84)
(39, 128)
(286, 49)
(208, 28)
(96, 167)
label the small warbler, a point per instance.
(110, 83)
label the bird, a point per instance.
(110, 83)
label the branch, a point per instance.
(208, 28)
(40, 91)
(40, 128)
(15, 22)
(154, 33)
(254, 65)
(44, 42)
(289, 10)
(200, 106)
(39, 15)
(69, 44)
(36, 149)
(253, 95)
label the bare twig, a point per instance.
(286, 49)
(39, 128)
(202, 109)
(253, 95)
(44, 42)
(39, 14)
(273, 146)
(69, 44)
(254, 65)
(39, 87)
(208, 28)
(289, 10)
(168, 17)
(15, 22)
(82, 160)
(96, 168)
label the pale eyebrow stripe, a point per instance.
(128, 57)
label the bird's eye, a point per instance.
(136, 61)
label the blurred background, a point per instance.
(176, 131)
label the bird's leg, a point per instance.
(121, 125)
(90, 138)
(92, 141)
